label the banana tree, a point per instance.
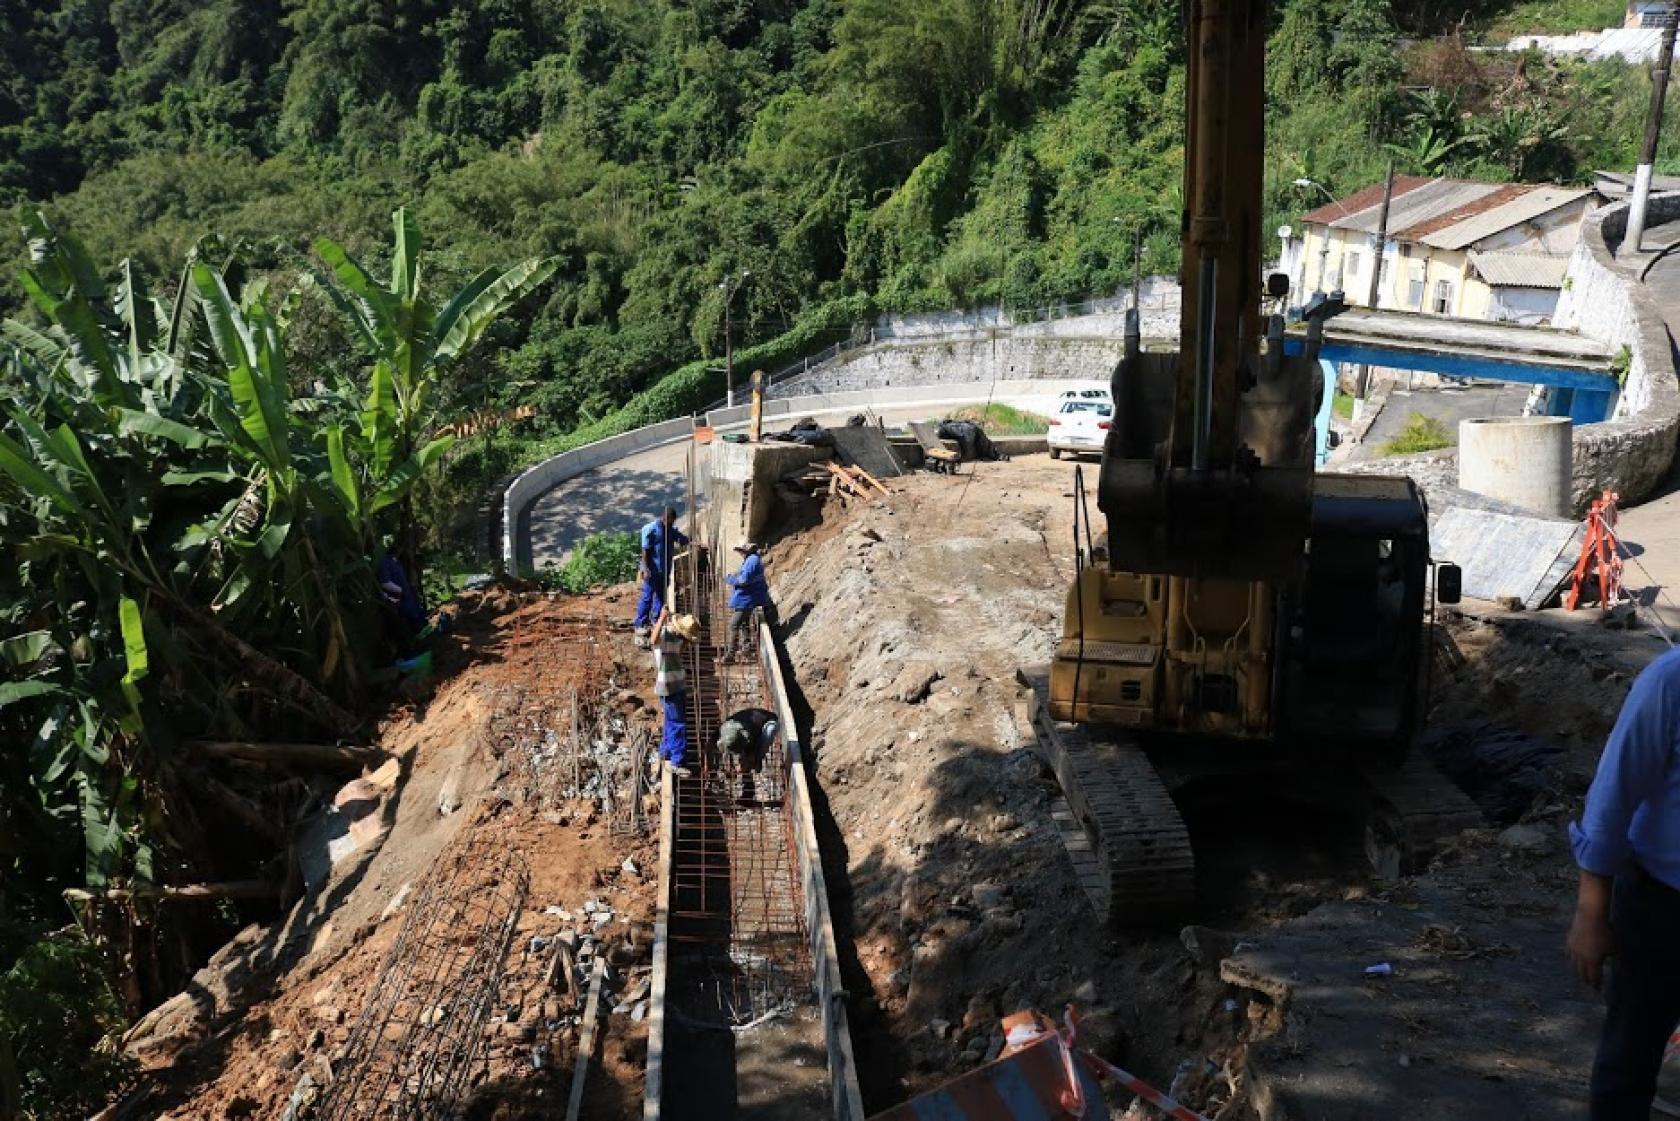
(412, 345)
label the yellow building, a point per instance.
(1491, 251)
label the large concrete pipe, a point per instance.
(1523, 460)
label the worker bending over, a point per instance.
(660, 539)
(751, 591)
(748, 735)
(1628, 904)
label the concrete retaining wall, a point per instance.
(847, 1099)
(517, 499)
(980, 356)
(742, 486)
(1630, 453)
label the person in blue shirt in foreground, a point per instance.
(751, 591)
(1627, 909)
(660, 541)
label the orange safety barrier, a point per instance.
(1601, 557)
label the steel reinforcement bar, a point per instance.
(743, 934)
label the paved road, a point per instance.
(1652, 529)
(625, 495)
(1449, 405)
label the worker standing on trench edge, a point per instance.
(748, 735)
(751, 590)
(670, 684)
(1627, 845)
(660, 539)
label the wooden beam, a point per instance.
(318, 756)
(876, 483)
(586, 1039)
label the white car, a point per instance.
(1090, 393)
(1079, 426)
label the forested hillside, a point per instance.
(850, 154)
(201, 452)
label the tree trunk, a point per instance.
(230, 889)
(292, 686)
(315, 756)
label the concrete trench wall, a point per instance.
(1631, 452)
(847, 1098)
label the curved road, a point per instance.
(1652, 530)
(625, 495)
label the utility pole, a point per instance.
(1653, 127)
(729, 289)
(1362, 377)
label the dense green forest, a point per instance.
(203, 444)
(852, 155)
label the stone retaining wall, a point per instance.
(1631, 452)
(980, 356)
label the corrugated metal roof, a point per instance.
(1520, 270)
(1525, 207)
(1441, 219)
(1440, 196)
(1369, 198)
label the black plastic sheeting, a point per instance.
(971, 437)
(1504, 770)
(805, 431)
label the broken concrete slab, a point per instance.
(1520, 555)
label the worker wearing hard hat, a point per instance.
(751, 593)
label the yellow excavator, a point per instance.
(1244, 609)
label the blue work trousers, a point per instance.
(673, 745)
(1644, 998)
(652, 600)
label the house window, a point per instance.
(1443, 297)
(1353, 264)
(1414, 286)
(1382, 272)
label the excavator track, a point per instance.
(1128, 844)
(1416, 809)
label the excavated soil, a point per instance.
(906, 622)
(280, 1003)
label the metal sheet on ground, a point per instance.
(1527, 557)
(866, 447)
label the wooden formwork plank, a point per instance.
(819, 924)
(653, 1082)
(586, 1039)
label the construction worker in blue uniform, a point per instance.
(750, 592)
(660, 540)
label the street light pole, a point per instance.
(729, 291)
(1324, 247)
(1362, 375)
(1653, 129)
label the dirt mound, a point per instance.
(955, 901)
(299, 987)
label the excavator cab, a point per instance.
(1354, 635)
